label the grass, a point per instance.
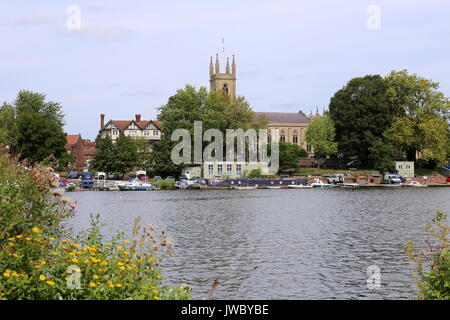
(419, 171)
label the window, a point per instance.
(282, 137)
(132, 133)
(219, 169)
(295, 138)
(155, 132)
(210, 169)
(238, 169)
(115, 132)
(146, 133)
(309, 148)
(229, 169)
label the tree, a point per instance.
(321, 135)
(215, 110)
(361, 114)
(104, 158)
(8, 126)
(33, 126)
(39, 137)
(126, 155)
(421, 123)
(290, 155)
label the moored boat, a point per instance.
(320, 184)
(135, 185)
(299, 186)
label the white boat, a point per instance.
(415, 184)
(272, 187)
(320, 184)
(135, 185)
(244, 188)
(299, 186)
(390, 185)
(349, 185)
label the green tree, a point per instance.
(321, 135)
(39, 137)
(8, 126)
(126, 155)
(290, 155)
(33, 126)
(105, 155)
(214, 109)
(421, 124)
(361, 114)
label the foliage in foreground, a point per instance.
(40, 259)
(431, 266)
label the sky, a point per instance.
(129, 57)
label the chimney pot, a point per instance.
(102, 121)
(138, 118)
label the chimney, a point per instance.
(102, 121)
(138, 118)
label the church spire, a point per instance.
(211, 68)
(233, 66)
(227, 70)
(217, 64)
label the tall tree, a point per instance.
(361, 114)
(126, 155)
(39, 137)
(104, 158)
(321, 135)
(8, 126)
(423, 112)
(215, 110)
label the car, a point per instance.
(336, 178)
(183, 178)
(157, 178)
(447, 179)
(354, 164)
(284, 176)
(73, 174)
(170, 178)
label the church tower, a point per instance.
(223, 82)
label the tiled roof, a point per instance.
(122, 124)
(282, 117)
(72, 138)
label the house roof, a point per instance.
(72, 138)
(282, 117)
(123, 124)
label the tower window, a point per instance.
(225, 88)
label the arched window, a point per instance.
(225, 88)
(282, 136)
(295, 137)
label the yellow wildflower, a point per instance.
(54, 253)
(15, 274)
(119, 285)
(120, 263)
(76, 246)
(111, 285)
(156, 297)
(43, 262)
(122, 268)
(120, 248)
(6, 274)
(10, 244)
(92, 284)
(28, 239)
(74, 260)
(36, 230)
(95, 276)
(51, 283)
(51, 238)
(19, 236)
(42, 277)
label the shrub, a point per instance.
(255, 173)
(431, 267)
(164, 184)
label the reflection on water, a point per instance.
(278, 244)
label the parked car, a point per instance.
(391, 178)
(336, 178)
(73, 174)
(284, 176)
(170, 178)
(157, 178)
(354, 164)
(183, 178)
(447, 179)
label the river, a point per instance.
(278, 244)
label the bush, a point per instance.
(164, 185)
(431, 267)
(40, 259)
(255, 173)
